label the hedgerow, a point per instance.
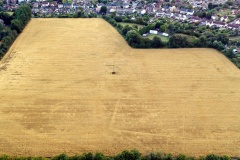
(125, 155)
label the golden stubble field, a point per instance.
(57, 94)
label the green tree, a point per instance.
(163, 28)
(133, 38)
(118, 19)
(150, 26)
(103, 10)
(203, 40)
(229, 2)
(171, 28)
(218, 45)
(145, 43)
(6, 18)
(225, 157)
(126, 29)
(238, 15)
(223, 37)
(156, 42)
(128, 155)
(112, 22)
(181, 157)
(99, 156)
(210, 6)
(181, 41)
(17, 25)
(143, 30)
(80, 13)
(139, 20)
(146, 18)
(61, 157)
(23, 14)
(87, 156)
(212, 157)
(157, 25)
(119, 26)
(236, 32)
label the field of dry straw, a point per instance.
(57, 94)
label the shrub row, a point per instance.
(132, 36)
(14, 25)
(125, 155)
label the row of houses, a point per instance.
(195, 19)
(165, 11)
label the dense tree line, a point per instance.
(79, 14)
(125, 155)
(133, 36)
(14, 25)
(182, 35)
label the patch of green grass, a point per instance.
(131, 24)
(234, 38)
(224, 12)
(10, 13)
(181, 34)
(163, 38)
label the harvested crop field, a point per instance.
(57, 94)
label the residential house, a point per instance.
(224, 19)
(237, 21)
(177, 16)
(160, 13)
(45, 4)
(116, 4)
(203, 22)
(173, 9)
(60, 5)
(35, 5)
(143, 11)
(209, 23)
(214, 17)
(87, 5)
(150, 10)
(165, 8)
(184, 17)
(81, 5)
(190, 12)
(168, 14)
(140, 5)
(112, 10)
(35, 10)
(99, 5)
(195, 19)
(183, 10)
(125, 5)
(53, 4)
(75, 6)
(219, 24)
(236, 12)
(67, 5)
(233, 26)
(198, 2)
